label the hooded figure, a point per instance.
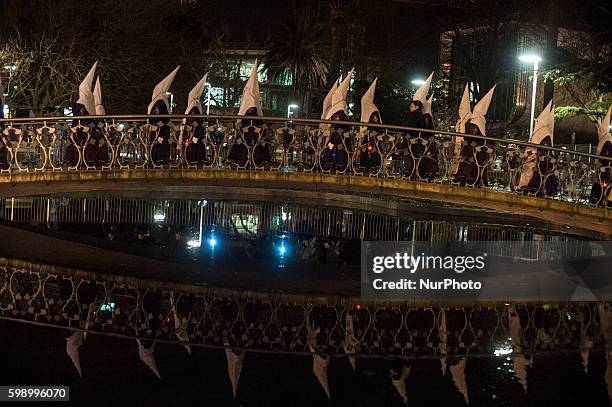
(472, 169)
(96, 152)
(335, 156)
(369, 157)
(97, 93)
(600, 191)
(422, 154)
(537, 173)
(159, 137)
(464, 113)
(84, 106)
(194, 132)
(327, 102)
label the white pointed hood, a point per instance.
(234, 368)
(193, 100)
(367, 104)
(339, 97)
(422, 92)
(327, 102)
(86, 96)
(250, 94)
(464, 110)
(480, 111)
(544, 125)
(146, 355)
(604, 131)
(319, 369)
(159, 93)
(73, 343)
(458, 375)
(98, 98)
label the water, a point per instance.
(288, 246)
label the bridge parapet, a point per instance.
(272, 144)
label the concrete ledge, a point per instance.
(558, 212)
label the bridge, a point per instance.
(60, 154)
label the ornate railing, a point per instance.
(276, 144)
(254, 321)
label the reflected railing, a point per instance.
(254, 321)
(303, 225)
(111, 143)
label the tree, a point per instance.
(299, 49)
(42, 75)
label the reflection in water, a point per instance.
(201, 229)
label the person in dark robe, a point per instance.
(369, 155)
(538, 170)
(85, 106)
(159, 137)
(251, 134)
(195, 149)
(600, 190)
(335, 155)
(420, 160)
(474, 155)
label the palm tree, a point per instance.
(299, 49)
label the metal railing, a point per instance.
(126, 142)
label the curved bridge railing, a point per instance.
(110, 143)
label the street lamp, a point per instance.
(289, 112)
(535, 60)
(417, 82)
(208, 99)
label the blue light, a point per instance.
(282, 249)
(212, 242)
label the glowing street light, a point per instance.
(417, 82)
(535, 60)
(289, 112)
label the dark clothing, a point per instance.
(421, 162)
(543, 181)
(473, 166)
(600, 191)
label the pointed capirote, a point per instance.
(250, 94)
(339, 97)
(193, 100)
(478, 115)
(86, 96)
(161, 89)
(327, 102)
(422, 92)
(544, 125)
(98, 98)
(367, 103)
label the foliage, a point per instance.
(298, 48)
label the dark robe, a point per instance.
(543, 181)
(473, 166)
(160, 151)
(421, 156)
(251, 136)
(600, 191)
(369, 156)
(77, 140)
(195, 151)
(335, 156)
